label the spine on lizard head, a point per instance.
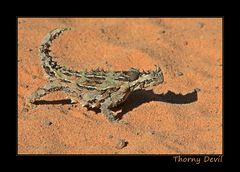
(50, 66)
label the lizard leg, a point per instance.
(48, 88)
(115, 99)
(106, 111)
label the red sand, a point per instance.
(190, 46)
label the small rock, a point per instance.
(152, 132)
(110, 136)
(30, 49)
(201, 24)
(47, 122)
(24, 85)
(179, 73)
(121, 143)
(34, 77)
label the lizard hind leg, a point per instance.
(106, 111)
(42, 91)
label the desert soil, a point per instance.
(181, 116)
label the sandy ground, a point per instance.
(171, 119)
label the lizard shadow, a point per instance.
(55, 102)
(139, 97)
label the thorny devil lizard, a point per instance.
(95, 89)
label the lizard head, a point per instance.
(148, 79)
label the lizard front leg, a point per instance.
(106, 111)
(115, 99)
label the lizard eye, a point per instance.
(132, 74)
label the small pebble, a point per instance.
(152, 132)
(30, 49)
(24, 85)
(201, 24)
(110, 136)
(179, 73)
(47, 122)
(121, 143)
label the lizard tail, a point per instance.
(49, 65)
